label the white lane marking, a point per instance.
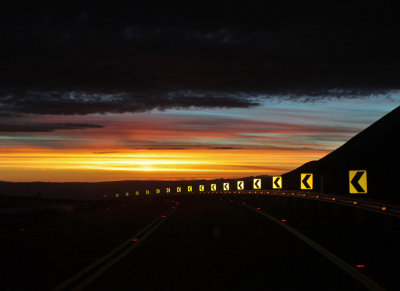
(364, 280)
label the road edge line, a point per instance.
(360, 277)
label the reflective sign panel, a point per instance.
(306, 181)
(226, 186)
(240, 185)
(201, 188)
(277, 182)
(256, 183)
(190, 188)
(147, 192)
(158, 191)
(168, 190)
(358, 181)
(213, 187)
(178, 189)
(137, 193)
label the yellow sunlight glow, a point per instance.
(145, 164)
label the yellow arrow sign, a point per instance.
(201, 187)
(168, 190)
(358, 181)
(226, 186)
(117, 195)
(306, 181)
(178, 189)
(137, 193)
(157, 191)
(240, 185)
(126, 194)
(256, 183)
(147, 192)
(213, 187)
(190, 188)
(277, 182)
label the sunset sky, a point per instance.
(181, 144)
(96, 92)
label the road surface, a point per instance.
(208, 242)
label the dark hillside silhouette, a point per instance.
(375, 149)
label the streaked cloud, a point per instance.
(83, 103)
(44, 127)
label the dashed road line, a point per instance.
(83, 278)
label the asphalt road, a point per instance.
(207, 243)
(42, 258)
(220, 245)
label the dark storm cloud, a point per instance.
(44, 127)
(142, 52)
(73, 103)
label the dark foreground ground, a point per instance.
(207, 243)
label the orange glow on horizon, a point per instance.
(77, 165)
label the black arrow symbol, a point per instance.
(240, 185)
(355, 180)
(226, 186)
(276, 182)
(304, 181)
(256, 183)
